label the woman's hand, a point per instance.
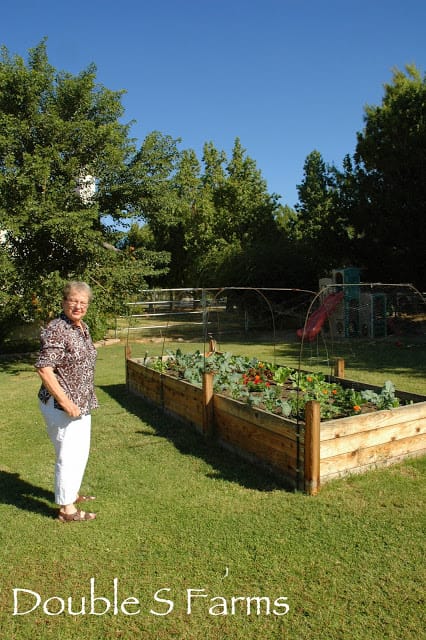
(71, 409)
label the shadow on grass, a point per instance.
(23, 495)
(226, 465)
(16, 364)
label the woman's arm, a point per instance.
(51, 383)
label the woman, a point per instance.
(66, 365)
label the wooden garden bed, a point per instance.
(303, 454)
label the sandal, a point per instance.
(77, 516)
(85, 498)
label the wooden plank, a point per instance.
(208, 406)
(355, 424)
(371, 456)
(277, 451)
(372, 437)
(183, 399)
(180, 389)
(377, 465)
(339, 368)
(312, 448)
(248, 433)
(144, 381)
(262, 419)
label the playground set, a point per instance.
(348, 308)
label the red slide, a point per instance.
(315, 321)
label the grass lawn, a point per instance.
(198, 538)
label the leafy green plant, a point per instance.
(281, 375)
(386, 399)
(276, 389)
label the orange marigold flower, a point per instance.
(334, 391)
(325, 392)
(309, 379)
(357, 407)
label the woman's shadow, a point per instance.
(23, 495)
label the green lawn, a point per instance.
(178, 515)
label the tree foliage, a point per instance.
(215, 217)
(371, 213)
(60, 134)
(388, 190)
(320, 225)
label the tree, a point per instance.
(389, 174)
(65, 163)
(311, 228)
(313, 208)
(148, 189)
(247, 207)
(196, 229)
(245, 220)
(320, 227)
(286, 217)
(215, 218)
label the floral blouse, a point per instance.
(70, 352)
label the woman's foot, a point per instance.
(75, 516)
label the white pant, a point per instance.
(71, 439)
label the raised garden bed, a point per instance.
(305, 452)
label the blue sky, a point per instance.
(285, 76)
